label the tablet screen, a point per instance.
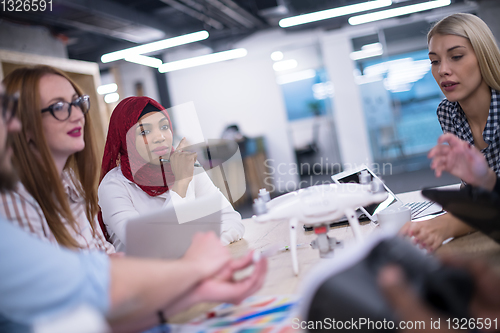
(374, 208)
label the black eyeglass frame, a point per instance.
(9, 106)
(76, 102)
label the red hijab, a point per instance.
(120, 147)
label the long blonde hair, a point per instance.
(39, 175)
(481, 38)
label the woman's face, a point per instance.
(63, 137)
(454, 67)
(153, 137)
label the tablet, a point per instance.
(352, 176)
(167, 233)
(418, 209)
(477, 207)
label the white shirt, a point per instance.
(120, 200)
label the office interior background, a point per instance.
(309, 100)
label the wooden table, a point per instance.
(280, 277)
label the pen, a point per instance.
(280, 308)
(196, 163)
(287, 248)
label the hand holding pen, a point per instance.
(182, 164)
(179, 147)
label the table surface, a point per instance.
(280, 277)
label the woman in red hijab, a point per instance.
(135, 177)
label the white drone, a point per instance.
(317, 207)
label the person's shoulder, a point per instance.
(446, 109)
(495, 97)
(114, 180)
(114, 174)
(19, 195)
(446, 105)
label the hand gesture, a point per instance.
(429, 234)
(223, 288)
(207, 254)
(462, 160)
(182, 163)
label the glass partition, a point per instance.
(400, 98)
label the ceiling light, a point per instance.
(284, 65)
(155, 46)
(202, 60)
(111, 98)
(405, 10)
(277, 55)
(294, 77)
(334, 12)
(144, 60)
(107, 88)
(372, 46)
(368, 51)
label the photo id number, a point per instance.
(26, 5)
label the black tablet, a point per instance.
(476, 207)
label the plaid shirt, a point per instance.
(453, 120)
(20, 208)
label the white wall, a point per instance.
(349, 117)
(244, 91)
(241, 91)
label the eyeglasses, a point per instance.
(62, 110)
(8, 103)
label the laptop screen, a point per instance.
(374, 208)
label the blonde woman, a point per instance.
(54, 155)
(465, 62)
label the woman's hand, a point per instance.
(182, 163)
(222, 287)
(461, 160)
(431, 234)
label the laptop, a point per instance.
(418, 209)
(477, 207)
(167, 233)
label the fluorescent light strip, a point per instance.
(155, 46)
(294, 77)
(385, 14)
(202, 60)
(111, 98)
(277, 55)
(367, 51)
(285, 65)
(363, 54)
(144, 60)
(334, 12)
(107, 88)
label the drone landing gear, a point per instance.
(323, 243)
